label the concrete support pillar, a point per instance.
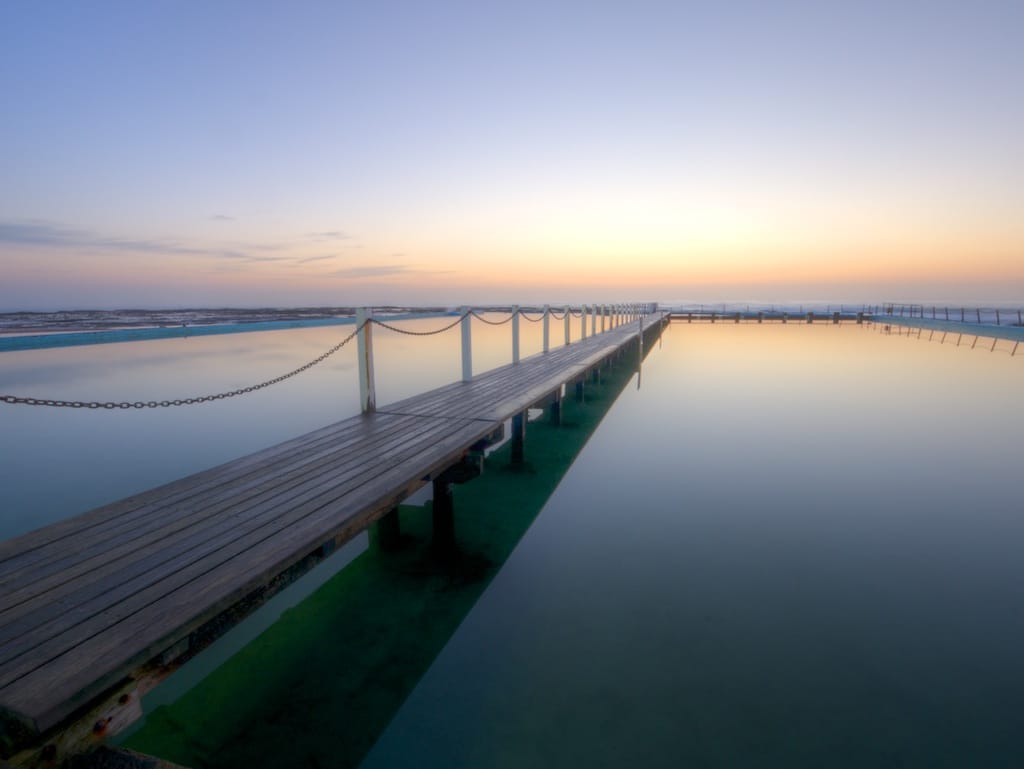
(443, 506)
(518, 437)
(389, 534)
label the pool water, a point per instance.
(783, 545)
(794, 546)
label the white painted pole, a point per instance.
(604, 316)
(593, 321)
(364, 340)
(568, 318)
(467, 346)
(547, 328)
(583, 321)
(515, 334)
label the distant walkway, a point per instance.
(1013, 333)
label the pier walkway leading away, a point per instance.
(94, 606)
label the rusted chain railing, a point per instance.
(14, 399)
(614, 314)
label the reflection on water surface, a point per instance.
(795, 546)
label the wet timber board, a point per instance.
(87, 601)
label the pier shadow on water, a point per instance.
(318, 687)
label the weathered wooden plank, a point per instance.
(476, 399)
(99, 583)
(72, 526)
(275, 514)
(162, 520)
(47, 692)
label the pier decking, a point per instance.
(93, 603)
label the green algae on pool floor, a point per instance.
(318, 687)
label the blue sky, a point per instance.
(170, 154)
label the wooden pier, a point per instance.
(96, 609)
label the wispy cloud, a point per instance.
(373, 271)
(383, 271)
(222, 218)
(330, 235)
(309, 259)
(36, 233)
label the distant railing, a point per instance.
(821, 315)
(997, 316)
(1002, 341)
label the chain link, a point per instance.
(556, 316)
(398, 330)
(480, 317)
(13, 399)
(529, 319)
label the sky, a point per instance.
(184, 154)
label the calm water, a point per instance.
(793, 546)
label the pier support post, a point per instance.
(518, 436)
(593, 319)
(443, 510)
(579, 390)
(583, 322)
(568, 318)
(515, 334)
(364, 339)
(467, 346)
(389, 534)
(556, 407)
(547, 328)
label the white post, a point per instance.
(364, 339)
(583, 321)
(515, 334)
(604, 315)
(467, 346)
(568, 316)
(593, 321)
(547, 328)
